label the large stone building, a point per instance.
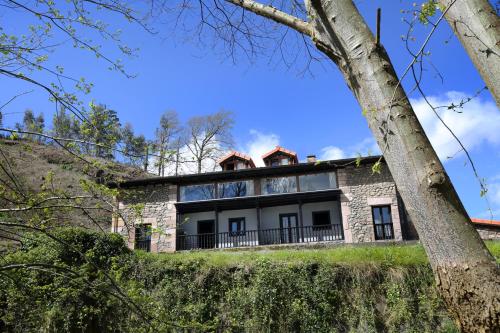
(281, 203)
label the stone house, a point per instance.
(284, 202)
(487, 229)
(281, 203)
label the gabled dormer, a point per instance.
(236, 161)
(280, 156)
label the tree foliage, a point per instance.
(134, 146)
(102, 129)
(196, 295)
(62, 124)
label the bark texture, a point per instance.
(477, 26)
(468, 275)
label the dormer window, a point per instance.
(236, 161)
(280, 156)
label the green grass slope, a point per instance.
(32, 164)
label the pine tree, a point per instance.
(101, 131)
(61, 124)
(134, 146)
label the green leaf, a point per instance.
(377, 167)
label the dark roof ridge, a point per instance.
(242, 173)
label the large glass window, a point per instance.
(317, 181)
(383, 222)
(197, 192)
(236, 189)
(279, 185)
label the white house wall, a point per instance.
(189, 222)
(269, 218)
(309, 208)
(250, 216)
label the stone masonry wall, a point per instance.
(362, 189)
(488, 232)
(152, 204)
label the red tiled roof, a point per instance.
(279, 149)
(239, 155)
(494, 223)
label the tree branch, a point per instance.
(276, 15)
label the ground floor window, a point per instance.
(321, 220)
(143, 237)
(237, 226)
(382, 222)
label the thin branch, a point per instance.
(276, 15)
(14, 97)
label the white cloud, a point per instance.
(331, 153)
(365, 147)
(260, 144)
(494, 194)
(478, 123)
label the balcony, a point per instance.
(250, 238)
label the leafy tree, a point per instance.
(101, 132)
(29, 120)
(134, 146)
(44, 29)
(19, 127)
(75, 128)
(61, 124)
(208, 137)
(33, 124)
(40, 126)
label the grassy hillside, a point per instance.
(34, 164)
(386, 254)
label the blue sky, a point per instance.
(275, 105)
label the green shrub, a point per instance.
(62, 288)
(176, 292)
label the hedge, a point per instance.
(98, 285)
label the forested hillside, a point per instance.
(39, 172)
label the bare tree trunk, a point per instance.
(177, 156)
(466, 273)
(199, 161)
(477, 26)
(160, 161)
(146, 159)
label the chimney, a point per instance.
(311, 158)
